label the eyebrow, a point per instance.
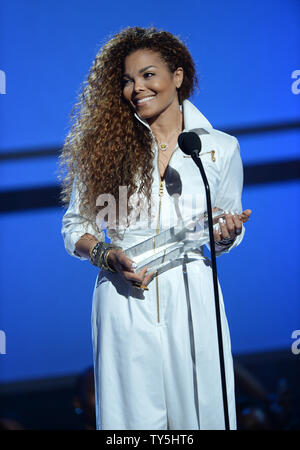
(140, 71)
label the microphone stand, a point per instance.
(197, 160)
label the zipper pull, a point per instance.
(161, 188)
(212, 154)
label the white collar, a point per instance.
(193, 118)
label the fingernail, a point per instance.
(221, 220)
(226, 212)
(133, 266)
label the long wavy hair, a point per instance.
(107, 146)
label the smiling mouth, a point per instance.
(144, 100)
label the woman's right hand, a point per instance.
(119, 261)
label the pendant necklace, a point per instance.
(164, 146)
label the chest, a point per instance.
(180, 193)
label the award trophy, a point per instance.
(161, 249)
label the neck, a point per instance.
(167, 122)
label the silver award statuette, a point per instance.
(161, 249)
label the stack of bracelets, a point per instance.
(99, 254)
(225, 242)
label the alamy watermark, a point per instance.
(2, 82)
(187, 208)
(143, 213)
(2, 343)
(296, 84)
(296, 344)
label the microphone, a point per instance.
(189, 143)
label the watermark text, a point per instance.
(296, 344)
(2, 82)
(296, 84)
(2, 343)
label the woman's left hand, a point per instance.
(231, 225)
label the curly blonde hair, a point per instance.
(106, 146)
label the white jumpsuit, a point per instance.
(156, 360)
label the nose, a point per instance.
(138, 86)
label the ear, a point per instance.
(178, 77)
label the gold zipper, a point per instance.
(161, 192)
(212, 152)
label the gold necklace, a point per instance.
(163, 146)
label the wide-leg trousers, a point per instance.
(156, 360)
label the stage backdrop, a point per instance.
(248, 62)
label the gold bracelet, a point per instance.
(138, 285)
(105, 262)
(99, 261)
(98, 255)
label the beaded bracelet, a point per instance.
(225, 242)
(99, 254)
(95, 252)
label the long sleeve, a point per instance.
(74, 225)
(230, 190)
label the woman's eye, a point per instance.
(148, 75)
(126, 81)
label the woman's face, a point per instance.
(148, 84)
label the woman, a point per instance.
(154, 335)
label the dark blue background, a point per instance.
(245, 53)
